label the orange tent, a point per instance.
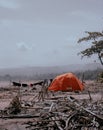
(66, 82)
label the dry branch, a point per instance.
(19, 116)
(82, 108)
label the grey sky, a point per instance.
(45, 32)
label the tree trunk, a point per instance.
(99, 56)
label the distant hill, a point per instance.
(29, 71)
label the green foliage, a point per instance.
(96, 38)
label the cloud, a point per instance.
(6, 23)
(10, 4)
(22, 46)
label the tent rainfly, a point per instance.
(66, 82)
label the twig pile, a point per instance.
(69, 114)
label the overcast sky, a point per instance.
(45, 32)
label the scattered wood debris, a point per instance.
(58, 112)
(69, 114)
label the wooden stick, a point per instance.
(67, 121)
(58, 125)
(19, 116)
(89, 95)
(51, 107)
